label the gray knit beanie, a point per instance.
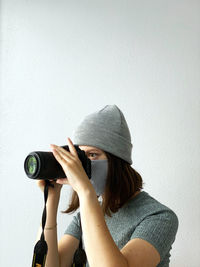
(107, 130)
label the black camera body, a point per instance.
(43, 165)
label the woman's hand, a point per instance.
(72, 166)
(52, 191)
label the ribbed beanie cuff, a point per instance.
(107, 130)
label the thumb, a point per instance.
(62, 181)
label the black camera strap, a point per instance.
(80, 257)
(41, 248)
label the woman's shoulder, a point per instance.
(145, 205)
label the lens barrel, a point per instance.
(43, 165)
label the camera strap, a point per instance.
(41, 248)
(80, 257)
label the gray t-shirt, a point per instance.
(142, 217)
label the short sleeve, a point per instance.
(158, 229)
(74, 227)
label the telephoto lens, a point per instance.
(43, 165)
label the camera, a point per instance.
(43, 165)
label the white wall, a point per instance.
(61, 60)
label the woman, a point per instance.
(128, 228)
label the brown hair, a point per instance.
(123, 182)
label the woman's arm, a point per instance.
(66, 249)
(52, 259)
(60, 254)
(100, 247)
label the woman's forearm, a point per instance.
(52, 259)
(100, 248)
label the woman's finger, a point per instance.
(72, 148)
(66, 154)
(57, 155)
(62, 181)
